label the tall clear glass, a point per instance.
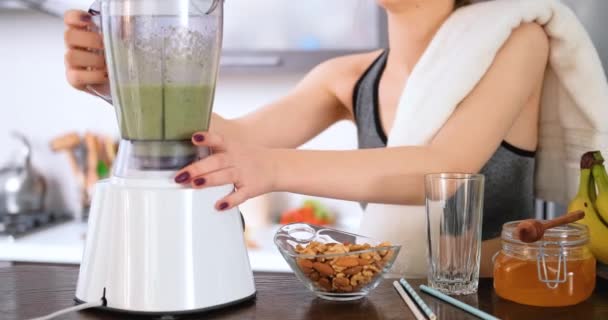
(163, 60)
(454, 212)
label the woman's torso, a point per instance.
(509, 173)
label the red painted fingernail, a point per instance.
(85, 18)
(223, 206)
(200, 181)
(199, 137)
(183, 177)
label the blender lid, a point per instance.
(95, 8)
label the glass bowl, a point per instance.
(333, 264)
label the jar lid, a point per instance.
(573, 234)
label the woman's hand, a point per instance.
(251, 169)
(84, 60)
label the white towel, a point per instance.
(574, 107)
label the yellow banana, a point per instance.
(598, 231)
(601, 179)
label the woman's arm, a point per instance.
(464, 144)
(391, 175)
(309, 109)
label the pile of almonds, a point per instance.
(345, 273)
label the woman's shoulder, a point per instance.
(528, 40)
(347, 66)
(531, 31)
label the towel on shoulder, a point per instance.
(574, 106)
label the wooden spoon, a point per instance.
(532, 230)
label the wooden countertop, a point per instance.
(32, 291)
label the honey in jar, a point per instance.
(558, 270)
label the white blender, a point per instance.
(152, 245)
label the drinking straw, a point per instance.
(427, 311)
(461, 305)
(410, 303)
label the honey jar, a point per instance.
(558, 270)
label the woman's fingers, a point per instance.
(209, 139)
(80, 79)
(77, 58)
(77, 19)
(216, 178)
(202, 167)
(232, 200)
(214, 162)
(83, 39)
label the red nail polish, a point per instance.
(223, 206)
(199, 137)
(183, 177)
(200, 181)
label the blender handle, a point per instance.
(213, 6)
(209, 11)
(95, 12)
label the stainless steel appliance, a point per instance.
(22, 196)
(22, 188)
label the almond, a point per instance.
(306, 270)
(304, 263)
(314, 276)
(353, 270)
(347, 262)
(323, 268)
(365, 262)
(341, 282)
(324, 283)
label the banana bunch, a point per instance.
(594, 203)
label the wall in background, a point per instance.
(37, 101)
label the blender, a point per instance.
(154, 246)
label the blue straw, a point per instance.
(427, 311)
(472, 310)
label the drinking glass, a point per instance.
(454, 211)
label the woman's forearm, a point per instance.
(393, 175)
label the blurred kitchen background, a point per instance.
(268, 46)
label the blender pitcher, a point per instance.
(163, 59)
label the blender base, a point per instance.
(155, 247)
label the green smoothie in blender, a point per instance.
(170, 112)
(187, 109)
(141, 112)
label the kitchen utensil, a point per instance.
(532, 230)
(23, 188)
(458, 304)
(454, 209)
(91, 177)
(408, 301)
(68, 143)
(419, 302)
(558, 270)
(110, 148)
(154, 246)
(289, 237)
